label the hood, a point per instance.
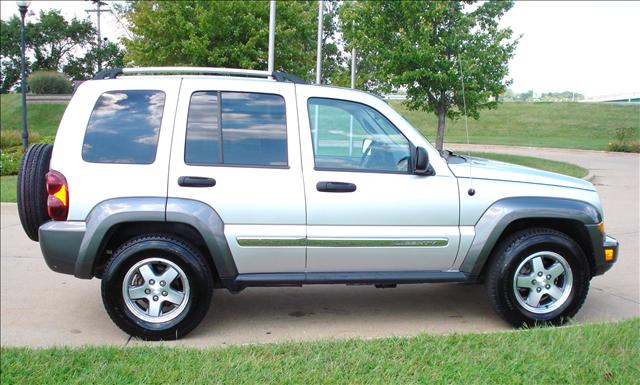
(491, 169)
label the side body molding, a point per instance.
(109, 213)
(208, 223)
(505, 211)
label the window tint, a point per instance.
(254, 131)
(124, 127)
(203, 131)
(352, 136)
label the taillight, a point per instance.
(58, 199)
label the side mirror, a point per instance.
(422, 161)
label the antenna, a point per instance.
(471, 191)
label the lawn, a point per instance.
(42, 119)
(589, 126)
(8, 188)
(587, 354)
(542, 164)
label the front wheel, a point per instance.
(157, 288)
(538, 276)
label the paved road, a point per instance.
(42, 308)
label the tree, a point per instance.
(419, 46)
(230, 34)
(110, 55)
(53, 38)
(10, 53)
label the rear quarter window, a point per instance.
(124, 127)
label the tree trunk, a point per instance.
(440, 135)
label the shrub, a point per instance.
(631, 146)
(10, 161)
(626, 140)
(49, 82)
(13, 138)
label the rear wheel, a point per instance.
(32, 188)
(157, 287)
(538, 276)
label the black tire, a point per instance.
(32, 188)
(170, 248)
(508, 256)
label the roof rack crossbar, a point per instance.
(112, 73)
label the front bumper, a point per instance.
(605, 252)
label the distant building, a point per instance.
(629, 97)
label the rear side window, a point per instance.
(124, 127)
(236, 128)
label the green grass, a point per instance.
(589, 354)
(539, 163)
(42, 119)
(8, 188)
(589, 126)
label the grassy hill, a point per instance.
(42, 119)
(589, 126)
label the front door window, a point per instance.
(350, 136)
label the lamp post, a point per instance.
(23, 6)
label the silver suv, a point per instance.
(169, 182)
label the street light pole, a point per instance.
(272, 36)
(319, 49)
(23, 6)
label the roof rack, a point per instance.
(112, 73)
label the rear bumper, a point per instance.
(60, 244)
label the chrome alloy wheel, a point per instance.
(156, 290)
(542, 282)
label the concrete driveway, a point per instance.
(43, 308)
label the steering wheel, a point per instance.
(405, 160)
(367, 153)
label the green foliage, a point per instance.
(9, 53)
(52, 41)
(229, 34)
(585, 354)
(49, 82)
(53, 38)
(421, 45)
(627, 139)
(109, 55)
(10, 160)
(11, 138)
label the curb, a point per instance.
(589, 177)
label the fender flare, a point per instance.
(109, 213)
(503, 212)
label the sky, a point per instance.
(588, 47)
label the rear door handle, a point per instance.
(340, 187)
(196, 181)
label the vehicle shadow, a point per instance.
(336, 311)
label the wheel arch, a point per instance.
(576, 219)
(116, 220)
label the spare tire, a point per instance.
(32, 188)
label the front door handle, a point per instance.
(196, 181)
(340, 187)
